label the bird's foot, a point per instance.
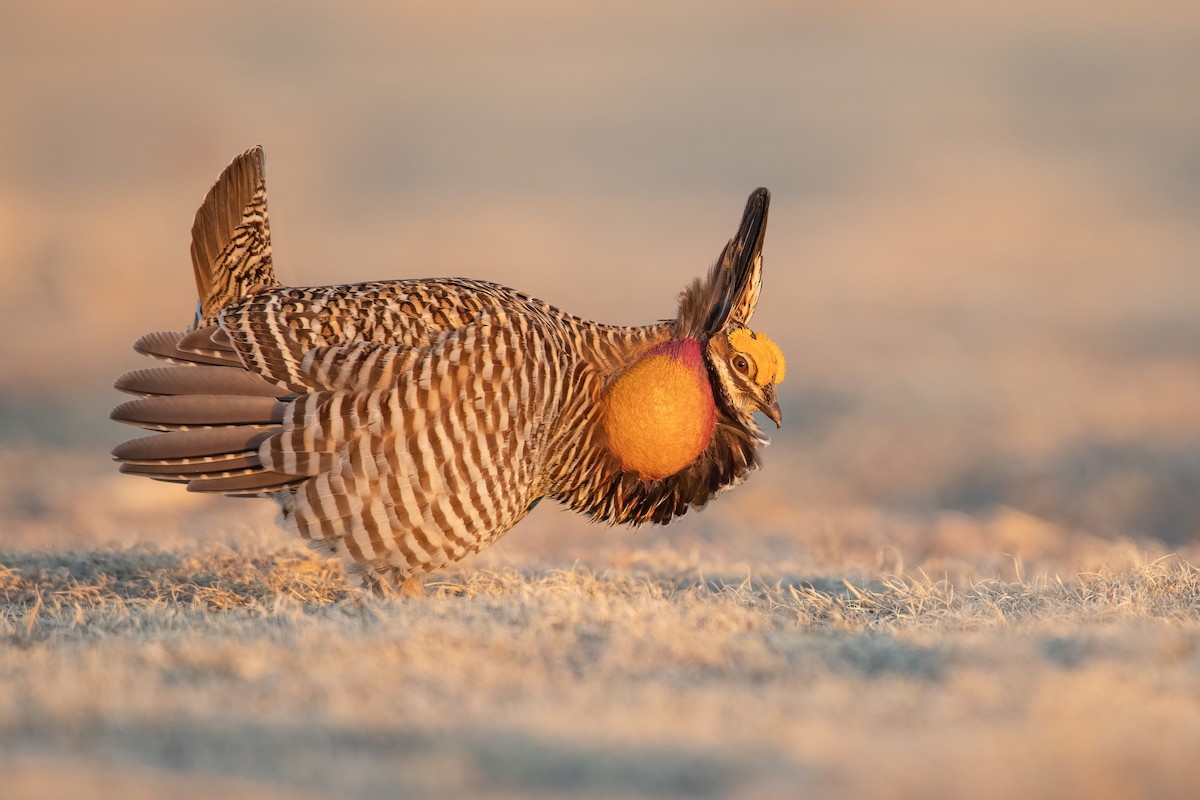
(413, 587)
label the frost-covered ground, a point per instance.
(191, 649)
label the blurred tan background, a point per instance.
(983, 260)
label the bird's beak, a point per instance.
(775, 414)
(770, 407)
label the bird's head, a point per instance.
(747, 366)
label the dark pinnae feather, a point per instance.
(707, 304)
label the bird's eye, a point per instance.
(741, 364)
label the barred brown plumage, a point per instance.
(408, 423)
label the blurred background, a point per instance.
(983, 258)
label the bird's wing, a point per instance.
(413, 457)
(272, 332)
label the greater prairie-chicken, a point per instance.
(404, 424)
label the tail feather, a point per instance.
(211, 442)
(231, 238)
(186, 412)
(210, 341)
(200, 455)
(192, 469)
(164, 345)
(252, 483)
(196, 380)
(183, 446)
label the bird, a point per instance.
(403, 424)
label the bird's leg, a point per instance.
(389, 586)
(413, 587)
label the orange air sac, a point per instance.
(659, 413)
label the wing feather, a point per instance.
(411, 461)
